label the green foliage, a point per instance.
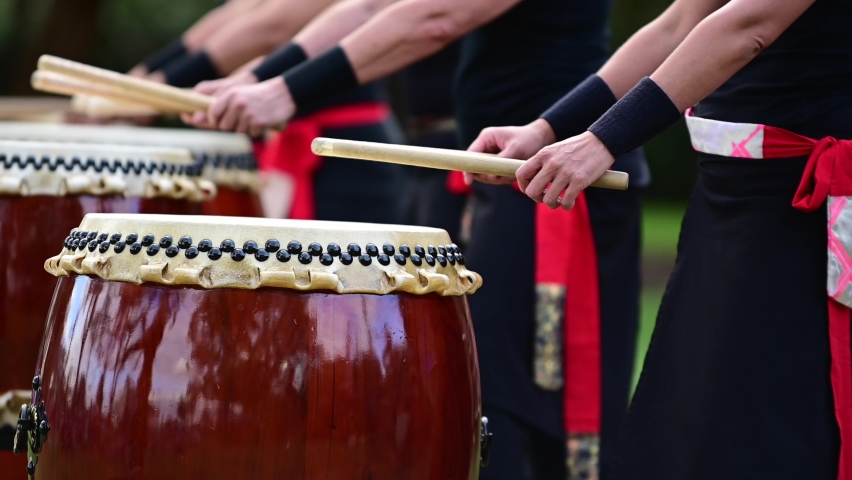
(134, 28)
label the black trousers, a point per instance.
(522, 452)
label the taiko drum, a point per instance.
(45, 189)
(214, 347)
(226, 159)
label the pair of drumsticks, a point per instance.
(58, 75)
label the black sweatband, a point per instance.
(580, 107)
(160, 58)
(279, 61)
(645, 112)
(189, 71)
(326, 75)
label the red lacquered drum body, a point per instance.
(231, 348)
(45, 190)
(30, 226)
(233, 202)
(150, 382)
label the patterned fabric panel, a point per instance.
(739, 140)
(840, 249)
(583, 455)
(549, 317)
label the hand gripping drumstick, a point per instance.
(441, 159)
(64, 85)
(143, 91)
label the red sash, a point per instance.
(290, 151)
(566, 256)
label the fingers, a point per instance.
(468, 178)
(207, 87)
(571, 193)
(226, 111)
(484, 143)
(538, 183)
(528, 171)
(243, 123)
(557, 186)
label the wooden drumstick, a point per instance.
(98, 106)
(441, 159)
(62, 84)
(152, 92)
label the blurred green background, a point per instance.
(115, 34)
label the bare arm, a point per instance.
(713, 52)
(337, 22)
(260, 31)
(414, 29)
(722, 44)
(209, 24)
(648, 48)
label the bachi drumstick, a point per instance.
(441, 159)
(142, 90)
(62, 84)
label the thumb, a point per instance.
(486, 142)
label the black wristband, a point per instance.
(326, 75)
(580, 107)
(645, 112)
(279, 61)
(188, 71)
(160, 58)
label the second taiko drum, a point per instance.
(259, 349)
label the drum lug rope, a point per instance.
(33, 427)
(485, 444)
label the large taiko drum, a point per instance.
(226, 159)
(45, 189)
(224, 348)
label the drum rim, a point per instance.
(249, 253)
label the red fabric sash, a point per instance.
(290, 151)
(566, 255)
(827, 173)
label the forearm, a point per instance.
(414, 29)
(197, 34)
(335, 23)
(648, 48)
(260, 32)
(713, 52)
(721, 45)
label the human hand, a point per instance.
(216, 88)
(570, 166)
(250, 109)
(139, 71)
(219, 86)
(510, 142)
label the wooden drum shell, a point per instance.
(150, 381)
(232, 202)
(31, 227)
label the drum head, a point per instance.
(57, 169)
(231, 252)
